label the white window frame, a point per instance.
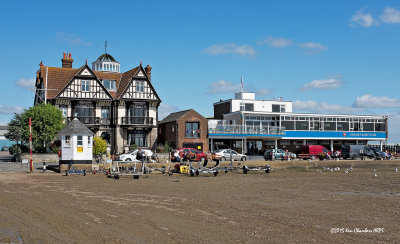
(79, 142)
(140, 86)
(89, 141)
(67, 141)
(85, 85)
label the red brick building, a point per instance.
(184, 129)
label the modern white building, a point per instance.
(253, 126)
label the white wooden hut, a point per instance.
(76, 144)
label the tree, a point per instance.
(47, 121)
(15, 129)
(99, 146)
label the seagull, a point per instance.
(331, 170)
(375, 175)
(337, 168)
(351, 169)
(396, 170)
(374, 170)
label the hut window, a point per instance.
(67, 141)
(79, 141)
(89, 138)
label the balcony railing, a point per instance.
(90, 120)
(137, 120)
(248, 129)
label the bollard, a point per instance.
(44, 167)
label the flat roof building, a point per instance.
(253, 126)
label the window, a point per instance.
(192, 130)
(249, 107)
(67, 142)
(139, 86)
(85, 85)
(105, 112)
(89, 141)
(109, 84)
(64, 110)
(137, 137)
(137, 113)
(278, 108)
(173, 128)
(302, 125)
(79, 141)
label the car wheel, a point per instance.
(244, 170)
(128, 160)
(202, 160)
(223, 159)
(312, 157)
(243, 158)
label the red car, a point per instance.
(193, 154)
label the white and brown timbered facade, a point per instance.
(120, 107)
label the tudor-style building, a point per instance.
(120, 107)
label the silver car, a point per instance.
(226, 155)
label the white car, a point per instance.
(131, 156)
(225, 154)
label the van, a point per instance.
(312, 151)
(357, 151)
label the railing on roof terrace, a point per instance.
(248, 129)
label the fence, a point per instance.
(390, 148)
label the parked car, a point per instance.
(193, 154)
(4, 149)
(378, 153)
(273, 154)
(357, 151)
(131, 156)
(225, 154)
(313, 152)
(220, 146)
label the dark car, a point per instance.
(357, 151)
(192, 154)
(378, 153)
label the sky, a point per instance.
(325, 56)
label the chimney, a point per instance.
(67, 60)
(148, 71)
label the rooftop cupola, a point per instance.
(106, 63)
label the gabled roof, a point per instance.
(125, 81)
(75, 127)
(57, 78)
(174, 116)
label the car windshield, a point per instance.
(220, 150)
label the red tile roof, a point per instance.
(58, 78)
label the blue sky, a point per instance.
(325, 56)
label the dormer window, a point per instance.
(109, 84)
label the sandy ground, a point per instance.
(294, 203)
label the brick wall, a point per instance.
(221, 109)
(192, 116)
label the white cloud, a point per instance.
(277, 42)
(369, 101)
(6, 109)
(391, 15)
(263, 92)
(312, 47)
(232, 48)
(362, 19)
(316, 107)
(222, 86)
(28, 84)
(327, 84)
(71, 39)
(165, 109)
